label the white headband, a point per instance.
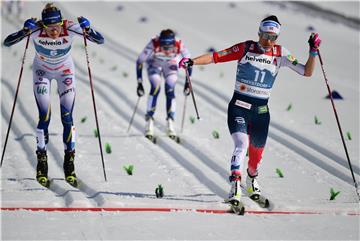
(270, 26)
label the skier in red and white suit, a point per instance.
(248, 112)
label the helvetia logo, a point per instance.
(51, 43)
(260, 60)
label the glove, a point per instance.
(30, 24)
(187, 88)
(84, 23)
(140, 89)
(314, 43)
(186, 63)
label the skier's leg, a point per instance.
(237, 124)
(170, 82)
(42, 90)
(67, 93)
(257, 135)
(155, 82)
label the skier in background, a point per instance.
(52, 38)
(248, 112)
(161, 55)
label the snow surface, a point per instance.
(194, 174)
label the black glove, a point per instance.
(187, 88)
(140, 90)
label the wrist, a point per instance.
(313, 52)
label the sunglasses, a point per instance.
(267, 36)
(53, 26)
(167, 47)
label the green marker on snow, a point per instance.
(125, 74)
(333, 194)
(83, 119)
(159, 191)
(96, 133)
(348, 134)
(289, 107)
(192, 119)
(129, 169)
(317, 122)
(107, 148)
(114, 68)
(215, 134)
(279, 172)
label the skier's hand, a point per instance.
(140, 89)
(84, 23)
(314, 42)
(186, 63)
(30, 25)
(187, 88)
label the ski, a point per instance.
(261, 200)
(175, 138)
(72, 181)
(151, 138)
(43, 181)
(236, 207)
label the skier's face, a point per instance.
(267, 40)
(53, 30)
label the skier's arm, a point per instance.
(314, 43)
(15, 38)
(185, 53)
(90, 34)
(306, 70)
(144, 55)
(30, 26)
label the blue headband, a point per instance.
(51, 17)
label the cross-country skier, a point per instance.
(162, 55)
(52, 37)
(248, 112)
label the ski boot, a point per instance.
(42, 168)
(170, 128)
(69, 168)
(235, 193)
(254, 192)
(252, 187)
(149, 128)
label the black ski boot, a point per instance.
(69, 168)
(42, 168)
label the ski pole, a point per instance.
(16, 95)
(192, 92)
(338, 124)
(133, 115)
(93, 100)
(183, 115)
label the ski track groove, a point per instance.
(56, 188)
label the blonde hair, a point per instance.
(50, 7)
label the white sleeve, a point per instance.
(288, 60)
(145, 54)
(74, 28)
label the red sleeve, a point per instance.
(235, 52)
